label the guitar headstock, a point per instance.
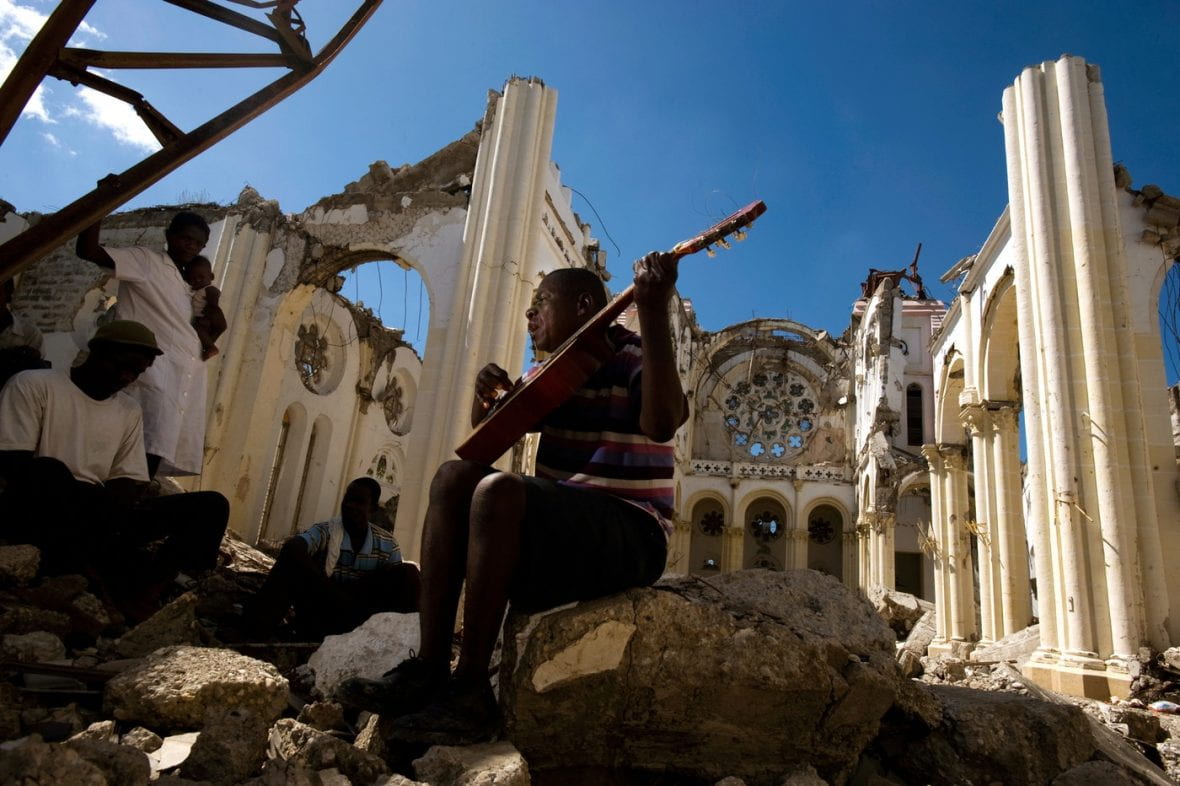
(730, 226)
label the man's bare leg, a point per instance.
(444, 555)
(493, 550)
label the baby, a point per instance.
(208, 319)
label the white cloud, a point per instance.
(18, 24)
(119, 118)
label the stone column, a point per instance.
(849, 558)
(797, 548)
(978, 424)
(1008, 522)
(942, 573)
(680, 548)
(493, 283)
(885, 535)
(957, 505)
(864, 549)
(733, 548)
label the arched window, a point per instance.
(915, 434)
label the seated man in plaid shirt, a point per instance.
(337, 573)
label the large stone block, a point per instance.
(174, 688)
(754, 674)
(988, 737)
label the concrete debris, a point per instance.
(369, 651)
(1015, 647)
(174, 687)
(297, 742)
(18, 564)
(174, 624)
(663, 668)
(666, 668)
(497, 762)
(142, 739)
(34, 647)
(230, 748)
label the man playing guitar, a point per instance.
(593, 521)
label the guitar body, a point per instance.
(523, 409)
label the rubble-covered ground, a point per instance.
(87, 699)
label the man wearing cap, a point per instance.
(72, 456)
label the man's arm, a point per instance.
(88, 248)
(663, 407)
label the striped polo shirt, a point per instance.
(379, 547)
(594, 441)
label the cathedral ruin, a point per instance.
(1008, 456)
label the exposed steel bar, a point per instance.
(161, 127)
(232, 18)
(46, 235)
(85, 58)
(41, 53)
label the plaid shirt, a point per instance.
(379, 547)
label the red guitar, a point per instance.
(573, 362)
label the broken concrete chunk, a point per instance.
(231, 748)
(36, 647)
(496, 762)
(122, 765)
(323, 715)
(142, 739)
(369, 651)
(174, 687)
(103, 731)
(35, 762)
(18, 564)
(175, 624)
(297, 742)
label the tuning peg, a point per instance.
(710, 252)
(740, 235)
(723, 243)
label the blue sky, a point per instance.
(867, 127)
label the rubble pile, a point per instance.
(753, 677)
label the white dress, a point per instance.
(172, 391)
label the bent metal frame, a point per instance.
(48, 55)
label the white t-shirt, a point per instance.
(172, 390)
(45, 412)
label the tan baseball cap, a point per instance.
(124, 331)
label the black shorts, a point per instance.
(578, 544)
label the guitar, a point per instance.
(571, 364)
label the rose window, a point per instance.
(766, 527)
(820, 530)
(712, 522)
(770, 415)
(393, 406)
(311, 356)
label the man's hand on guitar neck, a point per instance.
(664, 407)
(491, 383)
(655, 279)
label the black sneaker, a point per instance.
(407, 687)
(462, 715)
